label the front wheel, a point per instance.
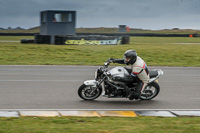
(150, 91)
(84, 92)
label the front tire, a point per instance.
(84, 92)
(151, 91)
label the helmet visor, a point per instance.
(127, 59)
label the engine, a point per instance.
(119, 82)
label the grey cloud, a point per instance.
(99, 13)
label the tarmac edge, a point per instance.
(99, 113)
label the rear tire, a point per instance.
(150, 93)
(84, 92)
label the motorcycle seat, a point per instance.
(153, 74)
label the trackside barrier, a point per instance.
(90, 40)
(79, 40)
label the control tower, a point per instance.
(57, 22)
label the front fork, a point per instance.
(101, 82)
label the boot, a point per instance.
(135, 95)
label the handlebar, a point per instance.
(107, 62)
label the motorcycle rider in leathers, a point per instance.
(139, 72)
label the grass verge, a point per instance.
(100, 125)
(155, 51)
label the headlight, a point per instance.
(96, 74)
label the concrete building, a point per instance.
(57, 22)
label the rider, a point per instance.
(139, 71)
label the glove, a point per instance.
(111, 60)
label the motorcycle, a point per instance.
(118, 83)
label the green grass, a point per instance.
(154, 50)
(15, 38)
(164, 40)
(136, 30)
(100, 125)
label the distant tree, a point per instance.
(175, 29)
(9, 28)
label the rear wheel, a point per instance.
(150, 91)
(84, 92)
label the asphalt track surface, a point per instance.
(55, 87)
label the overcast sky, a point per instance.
(146, 14)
